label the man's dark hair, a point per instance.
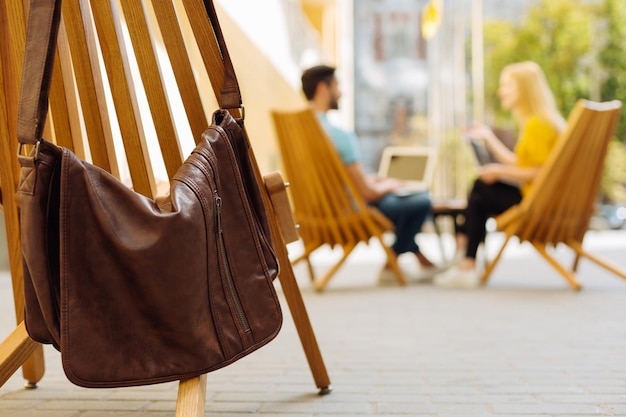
(313, 76)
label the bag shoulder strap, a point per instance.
(41, 37)
(230, 95)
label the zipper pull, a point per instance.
(218, 205)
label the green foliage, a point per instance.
(613, 184)
(456, 165)
(557, 35)
(611, 57)
(499, 39)
(581, 46)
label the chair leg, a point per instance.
(392, 260)
(306, 257)
(569, 276)
(309, 266)
(293, 296)
(597, 259)
(14, 351)
(321, 282)
(444, 258)
(34, 367)
(292, 293)
(490, 265)
(191, 397)
(33, 364)
(576, 262)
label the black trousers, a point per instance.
(484, 201)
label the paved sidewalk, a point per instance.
(526, 345)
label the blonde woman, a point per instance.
(525, 92)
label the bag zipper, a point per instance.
(224, 260)
(226, 135)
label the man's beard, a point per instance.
(334, 104)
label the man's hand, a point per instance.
(386, 185)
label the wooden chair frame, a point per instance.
(559, 207)
(326, 204)
(80, 105)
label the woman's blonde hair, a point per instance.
(535, 97)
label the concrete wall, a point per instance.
(263, 89)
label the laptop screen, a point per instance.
(415, 165)
(408, 167)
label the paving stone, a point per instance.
(435, 409)
(524, 346)
(19, 404)
(319, 407)
(38, 413)
(93, 405)
(126, 414)
(558, 409)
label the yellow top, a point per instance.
(536, 140)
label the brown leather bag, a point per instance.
(130, 291)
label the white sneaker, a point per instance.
(456, 278)
(386, 276)
(457, 258)
(427, 273)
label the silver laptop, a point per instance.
(414, 165)
(481, 152)
(484, 156)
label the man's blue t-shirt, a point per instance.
(345, 142)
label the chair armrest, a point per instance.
(277, 191)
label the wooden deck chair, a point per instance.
(107, 65)
(561, 202)
(326, 204)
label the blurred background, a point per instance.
(415, 72)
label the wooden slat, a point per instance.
(181, 66)
(97, 125)
(205, 39)
(118, 73)
(153, 85)
(59, 114)
(66, 71)
(9, 170)
(13, 34)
